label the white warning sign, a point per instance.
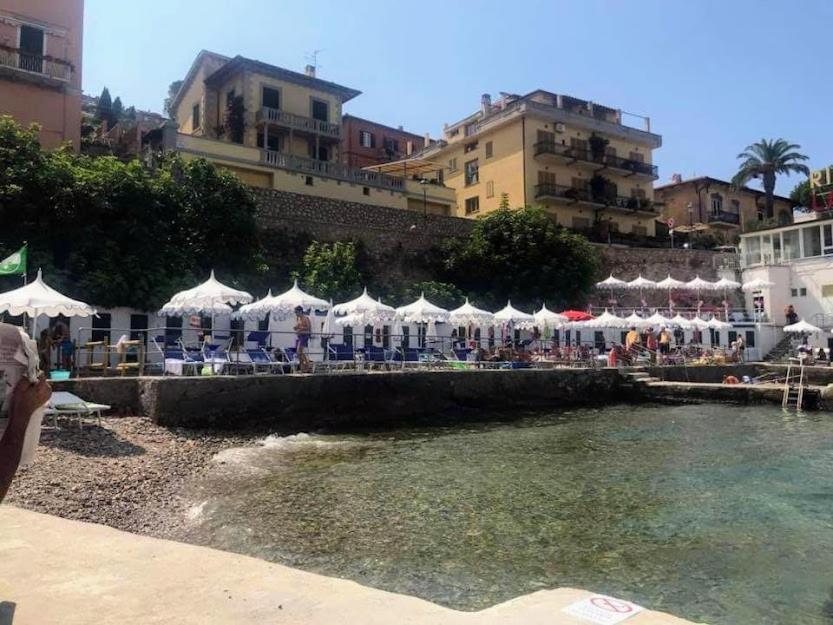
(603, 610)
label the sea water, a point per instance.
(716, 513)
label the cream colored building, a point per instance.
(577, 159)
(291, 136)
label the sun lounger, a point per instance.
(261, 361)
(63, 404)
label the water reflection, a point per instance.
(715, 513)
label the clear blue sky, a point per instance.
(713, 75)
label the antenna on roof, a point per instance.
(312, 59)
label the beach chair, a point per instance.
(338, 357)
(63, 404)
(216, 356)
(178, 362)
(261, 361)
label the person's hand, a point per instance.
(28, 397)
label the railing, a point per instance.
(35, 63)
(605, 160)
(299, 122)
(329, 169)
(586, 195)
(724, 217)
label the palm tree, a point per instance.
(766, 159)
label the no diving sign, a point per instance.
(603, 610)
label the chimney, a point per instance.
(427, 139)
(676, 178)
(485, 103)
(309, 70)
(400, 127)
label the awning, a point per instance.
(407, 168)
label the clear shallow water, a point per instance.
(715, 513)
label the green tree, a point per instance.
(801, 194)
(167, 106)
(331, 270)
(523, 256)
(118, 109)
(504, 200)
(766, 159)
(104, 109)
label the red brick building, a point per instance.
(366, 143)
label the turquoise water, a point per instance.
(714, 513)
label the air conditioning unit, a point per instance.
(560, 128)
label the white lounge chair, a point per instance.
(63, 404)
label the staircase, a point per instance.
(782, 348)
(636, 377)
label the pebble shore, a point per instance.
(128, 474)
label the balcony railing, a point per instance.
(24, 61)
(604, 161)
(298, 122)
(328, 169)
(725, 217)
(545, 190)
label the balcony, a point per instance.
(329, 169)
(550, 150)
(307, 125)
(571, 194)
(724, 218)
(19, 64)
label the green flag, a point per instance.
(14, 265)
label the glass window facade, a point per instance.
(804, 241)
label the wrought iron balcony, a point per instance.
(604, 161)
(330, 169)
(574, 194)
(724, 217)
(301, 123)
(36, 65)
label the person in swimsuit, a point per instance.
(303, 328)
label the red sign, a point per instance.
(612, 605)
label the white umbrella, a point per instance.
(681, 322)
(509, 314)
(657, 320)
(467, 315)
(210, 292)
(726, 284)
(605, 320)
(640, 283)
(716, 324)
(38, 298)
(422, 311)
(699, 323)
(547, 318)
(181, 310)
(611, 283)
(758, 284)
(670, 284)
(328, 330)
(802, 327)
(364, 310)
(698, 284)
(283, 305)
(251, 311)
(635, 320)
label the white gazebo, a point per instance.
(514, 317)
(635, 320)
(363, 310)
(282, 306)
(802, 327)
(422, 311)
(38, 298)
(758, 284)
(605, 320)
(468, 315)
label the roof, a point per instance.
(716, 181)
(192, 71)
(406, 167)
(241, 63)
(391, 128)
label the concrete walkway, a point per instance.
(55, 571)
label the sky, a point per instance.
(713, 76)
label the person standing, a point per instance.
(790, 314)
(664, 343)
(303, 329)
(740, 346)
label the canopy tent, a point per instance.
(657, 320)
(698, 323)
(249, 311)
(547, 318)
(422, 311)
(468, 315)
(758, 284)
(363, 311)
(38, 298)
(681, 322)
(716, 324)
(283, 305)
(802, 327)
(407, 168)
(328, 329)
(635, 321)
(210, 292)
(513, 316)
(605, 320)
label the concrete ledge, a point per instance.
(59, 572)
(707, 392)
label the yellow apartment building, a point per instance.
(290, 137)
(575, 158)
(40, 66)
(711, 205)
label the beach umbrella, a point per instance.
(183, 310)
(669, 284)
(576, 315)
(38, 298)
(657, 320)
(716, 324)
(698, 323)
(363, 310)
(697, 285)
(758, 284)
(605, 320)
(681, 322)
(802, 327)
(250, 311)
(422, 311)
(328, 329)
(282, 306)
(611, 283)
(467, 315)
(726, 285)
(210, 292)
(635, 320)
(547, 318)
(641, 284)
(512, 316)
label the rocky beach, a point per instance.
(128, 473)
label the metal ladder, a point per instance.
(793, 395)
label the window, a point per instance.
(320, 110)
(791, 245)
(101, 328)
(470, 129)
(794, 292)
(138, 328)
(812, 241)
(472, 172)
(638, 193)
(736, 207)
(827, 290)
(366, 139)
(750, 338)
(802, 292)
(452, 164)
(490, 188)
(546, 137)
(610, 151)
(546, 177)
(489, 149)
(308, 181)
(470, 147)
(173, 330)
(195, 116)
(368, 336)
(827, 239)
(321, 154)
(347, 336)
(273, 141)
(270, 98)
(581, 223)
(472, 204)
(717, 203)
(366, 190)
(579, 147)
(31, 49)
(637, 156)
(391, 146)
